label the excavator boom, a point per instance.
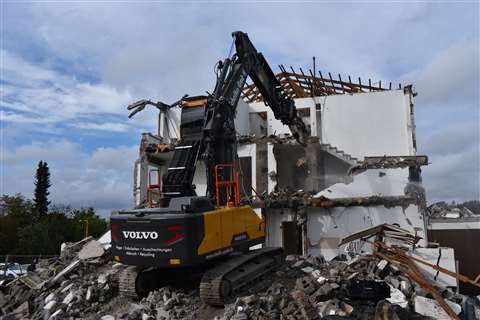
(216, 140)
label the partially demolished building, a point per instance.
(354, 187)
(358, 169)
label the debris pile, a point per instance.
(449, 211)
(363, 288)
(83, 284)
(79, 283)
(384, 284)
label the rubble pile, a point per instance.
(365, 287)
(83, 284)
(449, 211)
(165, 303)
(78, 283)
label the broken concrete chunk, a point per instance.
(67, 288)
(321, 280)
(330, 308)
(291, 257)
(431, 308)
(397, 297)
(50, 297)
(298, 264)
(307, 269)
(324, 293)
(93, 249)
(50, 305)
(32, 281)
(102, 278)
(382, 264)
(56, 315)
(89, 294)
(65, 271)
(68, 298)
(22, 309)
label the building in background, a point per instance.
(458, 228)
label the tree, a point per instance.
(42, 183)
(17, 214)
(97, 226)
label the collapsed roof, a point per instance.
(301, 85)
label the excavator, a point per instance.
(210, 234)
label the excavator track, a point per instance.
(224, 280)
(126, 281)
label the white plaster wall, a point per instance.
(447, 261)
(327, 227)
(242, 119)
(381, 182)
(368, 124)
(272, 167)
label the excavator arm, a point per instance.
(217, 143)
(272, 92)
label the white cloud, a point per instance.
(163, 50)
(454, 154)
(35, 94)
(107, 126)
(452, 77)
(102, 178)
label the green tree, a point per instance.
(42, 183)
(46, 235)
(20, 233)
(96, 225)
(17, 213)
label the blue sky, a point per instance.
(68, 70)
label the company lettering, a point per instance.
(141, 235)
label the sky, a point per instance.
(68, 69)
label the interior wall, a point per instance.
(261, 168)
(327, 227)
(308, 169)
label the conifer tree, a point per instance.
(42, 183)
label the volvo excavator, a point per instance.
(208, 234)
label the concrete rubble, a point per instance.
(309, 288)
(449, 211)
(83, 284)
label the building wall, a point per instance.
(465, 242)
(327, 227)
(368, 124)
(381, 182)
